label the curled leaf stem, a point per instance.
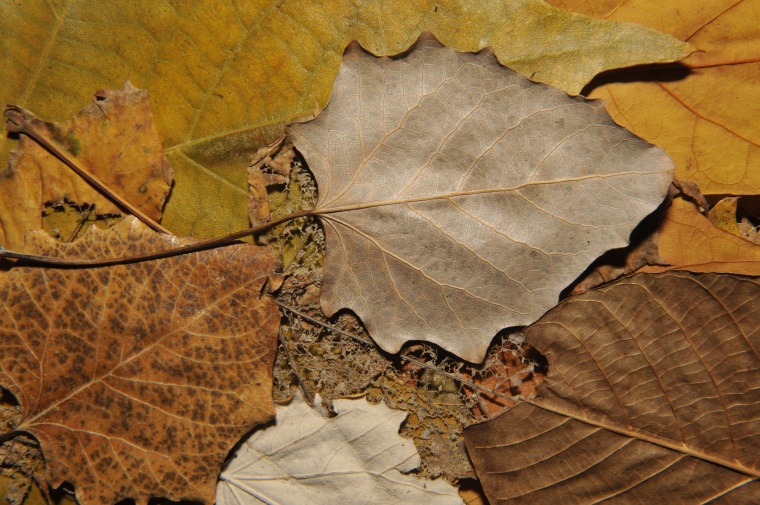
(202, 245)
(10, 435)
(19, 120)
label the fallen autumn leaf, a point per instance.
(689, 241)
(703, 110)
(652, 395)
(114, 137)
(138, 379)
(354, 457)
(459, 198)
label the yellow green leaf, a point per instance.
(225, 76)
(723, 215)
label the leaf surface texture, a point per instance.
(653, 394)
(689, 241)
(459, 198)
(355, 457)
(138, 379)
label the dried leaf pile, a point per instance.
(544, 312)
(226, 77)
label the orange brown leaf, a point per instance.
(704, 114)
(138, 379)
(689, 241)
(115, 137)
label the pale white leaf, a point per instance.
(356, 457)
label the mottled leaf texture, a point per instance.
(115, 137)
(355, 457)
(652, 396)
(460, 197)
(138, 379)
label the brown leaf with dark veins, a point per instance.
(138, 379)
(115, 137)
(459, 198)
(652, 396)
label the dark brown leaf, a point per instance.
(653, 395)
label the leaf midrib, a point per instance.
(645, 437)
(320, 211)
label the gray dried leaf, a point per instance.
(459, 198)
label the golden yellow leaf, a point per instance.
(690, 242)
(225, 76)
(705, 113)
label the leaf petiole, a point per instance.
(19, 120)
(10, 435)
(203, 245)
